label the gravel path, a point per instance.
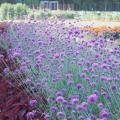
(91, 23)
(77, 23)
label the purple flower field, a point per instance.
(77, 71)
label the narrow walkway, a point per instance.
(91, 23)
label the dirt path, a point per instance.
(74, 22)
(91, 23)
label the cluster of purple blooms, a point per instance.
(77, 71)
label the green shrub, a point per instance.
(9, 11)
(115, 35)
(31, 15)
(68, 15)
(38, 14)
(5, 11)
(21, 10)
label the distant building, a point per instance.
(55, 5)
(52, 5)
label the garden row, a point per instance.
(79, 79)
(69, 73)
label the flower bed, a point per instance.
(79, 79)
(101, 29)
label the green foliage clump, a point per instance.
(4, 10)
(68, 15)
(21, 10)
(10, 11)
(39, 14)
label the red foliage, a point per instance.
(14, 103)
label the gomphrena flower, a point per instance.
(87, 79)
(54, 109)
(82, 106)
(37, 52)
(114, 87)
(15, 55)
(79, 85)
(30, 115)
(93, 117)
(104, 113)
(81, 117)
(65, 102)
(93, 84)
(60, 115)
(56, 55)
(33, 103)
(59, 93)
(47, 116)
(74, 101)
(82, 75)
(92, 98)
(60, 99)
(70, 82)
(100, 105)
(69, 106)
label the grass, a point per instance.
(82, 15)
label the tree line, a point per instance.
(102, 5)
